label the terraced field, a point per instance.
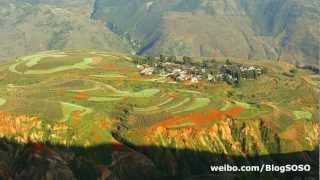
(78, 98)
(88, 86)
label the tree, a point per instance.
(254, 74)
(293, 71)
(138, 60)
(205, 64)
(228, 62)
(150, 60)
(251, 74)
(237, 75)
(172, 59)
(186, 60)
(162, 58)
(122, 113)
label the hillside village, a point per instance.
(186, 69)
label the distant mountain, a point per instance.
(265, 29)
(247, 29)
(27, 26)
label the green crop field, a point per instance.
(68, 108)
(303, 115)
(196, 104)
(82, 97)
(2, 101)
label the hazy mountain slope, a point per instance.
(218, 28)
(199, 34)
(294, 25)
(80, 6)
(29, 27)
(137, 20)
(268, 29)
(265, 29)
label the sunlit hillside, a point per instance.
(95, 108)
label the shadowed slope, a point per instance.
(49, 161)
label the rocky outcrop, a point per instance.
(192, 149)
(32, 162)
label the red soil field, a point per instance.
(232, 112)
(137, 78)
(73, 75)
(201, 118)
(81, 96)
(109, 67)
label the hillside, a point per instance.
(267, 29)
(85, 114)
(159, 89)
(32, 26)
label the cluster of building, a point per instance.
(174, 71)
(196, 72)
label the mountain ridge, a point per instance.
(268, 29)
(28, 27)
(254, 25)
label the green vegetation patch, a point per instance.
(109, 75)
(197, 104)
(303, 115)
(144, 93)
(229, 104)
(35, 59)
(107, 136)
(76, 85)
(188, 91)
(243, 105)
(52, 62)
(103, 99)
(85, 64)
(254, 112)
(2, 101)
(250, 110)
(119, 93)
(179, 104)
(13, 69)
(68, 108)
(155, 107)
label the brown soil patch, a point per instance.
(75, 117)
(96, 60)
(109, 67)
(292, 132)
(82, 96)
(201, 118)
